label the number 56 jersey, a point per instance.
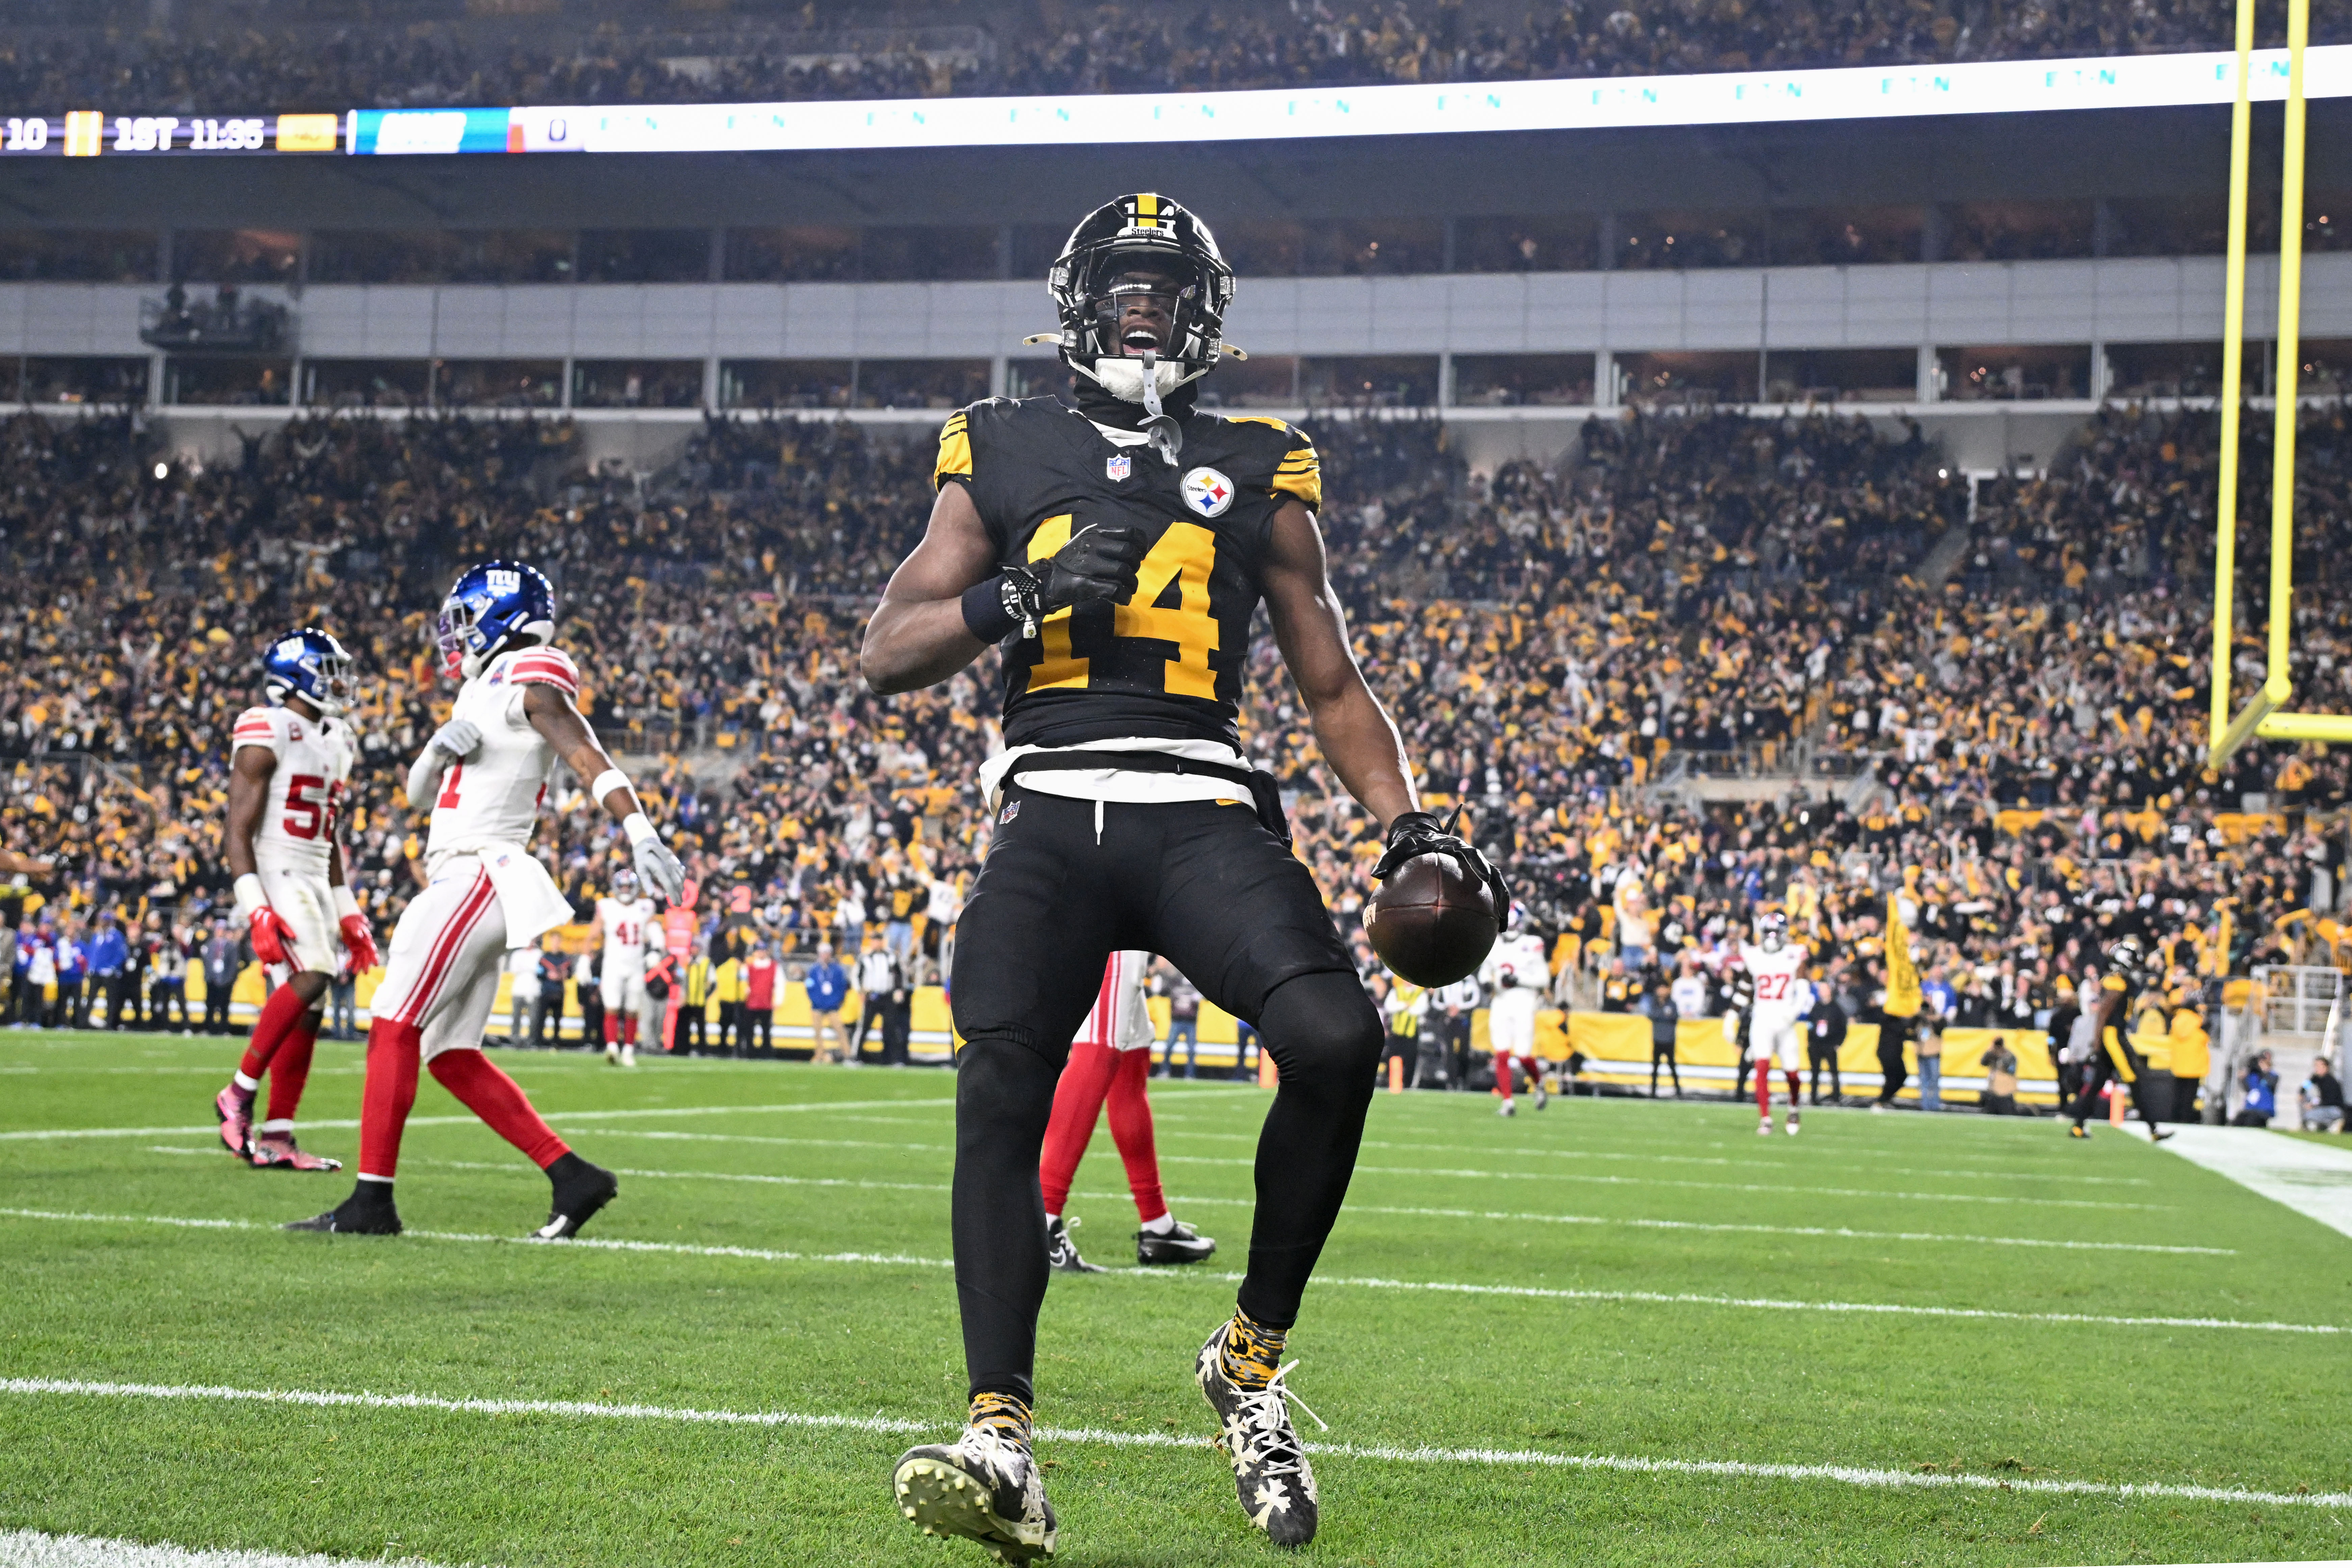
(305, 787)
(1167, 663)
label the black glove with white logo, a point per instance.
(1097, 564)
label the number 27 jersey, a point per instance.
(1167, 663)
(306, 788)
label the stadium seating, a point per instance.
(2015, 738)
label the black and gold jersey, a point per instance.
(1167, 664)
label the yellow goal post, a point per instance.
(2261, 715)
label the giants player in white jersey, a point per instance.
(289, 765)
(485, 774)
(1518, 974)
(626, 927)
(1776, 1029)
(1110, 1059)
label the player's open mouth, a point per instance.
(1140, 339)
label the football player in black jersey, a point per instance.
(2113, 1059)
(1115, 549)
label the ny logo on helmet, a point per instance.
(503, 581)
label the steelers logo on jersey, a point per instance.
(1208, 492)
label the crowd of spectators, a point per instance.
(2014, 749)
(1101, 49)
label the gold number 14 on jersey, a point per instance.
(1184, 555)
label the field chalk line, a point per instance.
(33, 1549)
(1526, 1292)
(1849, 1475)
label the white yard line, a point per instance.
(2311, 1178)
(1778, 1189)
(31, 1548)
(1833, 1232)
(940, 1103)
(1849, 1474)
(1175, 1275)
(2068, 1179)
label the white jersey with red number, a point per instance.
(306, 788)
(626, 925)
(1780, 989)
(493, 798)
(1119, 1019)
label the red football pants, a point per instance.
(1094, 1075)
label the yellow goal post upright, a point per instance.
(2261, 716)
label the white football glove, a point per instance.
(461, 738)
(660, 870)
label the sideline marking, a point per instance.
(1364, 1282)
(32, 1549)
(2312, 1179)
(1851, 1475)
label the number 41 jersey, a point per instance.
(305, 787)
(1167, 663)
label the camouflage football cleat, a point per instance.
(983, 1487)
(1271, 1475)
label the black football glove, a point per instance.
(1417, 833)
(1098, 563)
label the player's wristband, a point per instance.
(250, 895)
(346, 905)
(985, 613)
(607, 782)
(639, 829)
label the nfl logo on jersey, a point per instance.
(1119, 468)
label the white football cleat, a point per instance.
(1507, 1109)
(1764, 1128)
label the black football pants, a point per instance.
(1205, 887)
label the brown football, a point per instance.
(1432, 921)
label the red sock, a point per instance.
(612, 1028)
(629, 1030)
(1077, 1104)
(1130, 1128)
(1791, 1078)
(499, 1100)
(289, 1069)
(392, 1057)
(1764, 1089)
(278, 1015)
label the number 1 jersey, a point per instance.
(1167, 664)
(306, 788)
(493, 798)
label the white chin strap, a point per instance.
(1145, 378)
(1122, 377)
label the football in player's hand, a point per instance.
(1432, 921)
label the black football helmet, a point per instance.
(1135, 230)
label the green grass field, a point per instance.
(1605, 1281)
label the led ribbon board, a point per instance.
(1991, 87)
(1601, 103)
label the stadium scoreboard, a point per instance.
(1608, 103)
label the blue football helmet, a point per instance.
(310, 664)
(495, 608)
